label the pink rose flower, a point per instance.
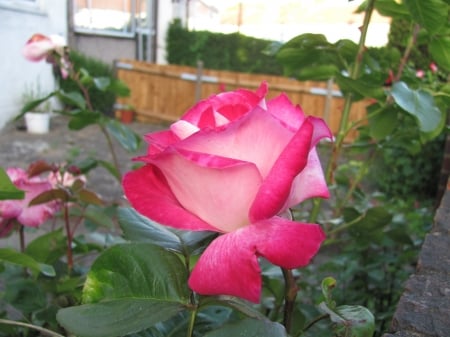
(39, 46)
(233, 164)
(65, 179)
(433, 67)
(420, 73)
(29, 216)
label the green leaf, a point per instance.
(382, 122)
(431, 14)
(137, 227)
(361, 88)
(130, 287)
(129, 140)
(48, 248)
(84, 118)
(391, 8)
(367, 226)
(318, 72)
(9, 191)
(440, 51)
(102, 83)
(98, 216)
(250, 327)
(305, 51)
(418, 103)
(116, 317)
(119, 88)
(73, 98)
(33, 104)
(137, 270)
(362, 322)
(24, 260)
(351, 320)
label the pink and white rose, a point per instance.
(39, 46)
(234, 164)
(19, 210)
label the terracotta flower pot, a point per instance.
(127, 116)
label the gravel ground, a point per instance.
(19, 148)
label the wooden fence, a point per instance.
(165, 92)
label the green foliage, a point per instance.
(8, 190)
(101, 100)
(234, 52)
(410, 174)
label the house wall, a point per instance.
(105, 48)
(109, 48)
(19, 21)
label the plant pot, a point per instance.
(127, 116)
(37, 122)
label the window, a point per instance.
(106, 17)
(32, 6)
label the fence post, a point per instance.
(198, 82)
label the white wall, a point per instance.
(18, 23)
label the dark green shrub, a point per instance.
(234, 52)
(399, 173)
(102, 101)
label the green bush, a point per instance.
(102, 101)
(234, 52)
(399, 173)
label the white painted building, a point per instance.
(104, 29)
(19, 20)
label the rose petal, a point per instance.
(218, 190)
(229, 265)
(282, 109)
(148, 192)
(310, 183)
(277, 185)
(183, 129)
(231, 105)
(158, 141)
(34, 216)
(38, 47)
(246, 139)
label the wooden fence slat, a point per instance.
(165, 92)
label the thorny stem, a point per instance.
(105, 132)
(314, 321)
(409, 47)
(22, 239)
(290, 294)
(69, 236)
(111, 148)
(343, 126)
(46, 332)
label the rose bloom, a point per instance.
(233, 164)
(420, 73)
(433, 67)
(29, 216)
(39, 46)
(65, 179)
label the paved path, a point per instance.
(19, 148)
